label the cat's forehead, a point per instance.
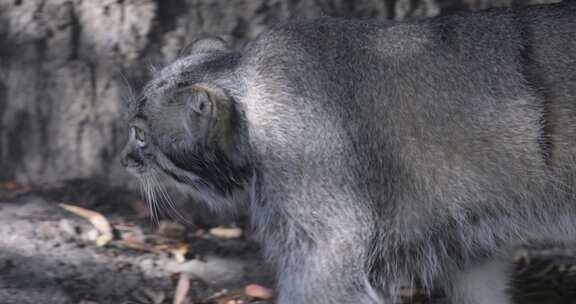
(135, 108)
(193, 68)
(168, 77)
(161, 85)
(176, 67)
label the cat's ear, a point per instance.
(204, 45)
(214, 91)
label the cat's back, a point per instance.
(454, 106)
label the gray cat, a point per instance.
(372, 155)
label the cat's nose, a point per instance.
(129, 159)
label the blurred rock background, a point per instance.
(64, 65)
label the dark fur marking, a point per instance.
(141, 104)
(141, 116)
(213, 167)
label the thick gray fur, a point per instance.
(372, 155)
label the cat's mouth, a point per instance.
(133, 162)
(140, 163)
(136, 154)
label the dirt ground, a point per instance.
(49, 255)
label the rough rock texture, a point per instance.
(63, 65)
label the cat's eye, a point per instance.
(174, 99)
(139, 135)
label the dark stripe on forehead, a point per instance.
(141, 103)
(141, 117)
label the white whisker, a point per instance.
(169, 204)
(159, 200)
(151, 199)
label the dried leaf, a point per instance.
(182, 289)
(259, 292)
(217, 295)
(226, 233)
(96, 219)
(179, 250)
(10, 186)
(136, 244)
(228, 300)
(14, 188)
(103, 239)
(231, 297)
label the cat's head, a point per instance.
(185, 127)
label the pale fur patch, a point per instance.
(485, 283)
